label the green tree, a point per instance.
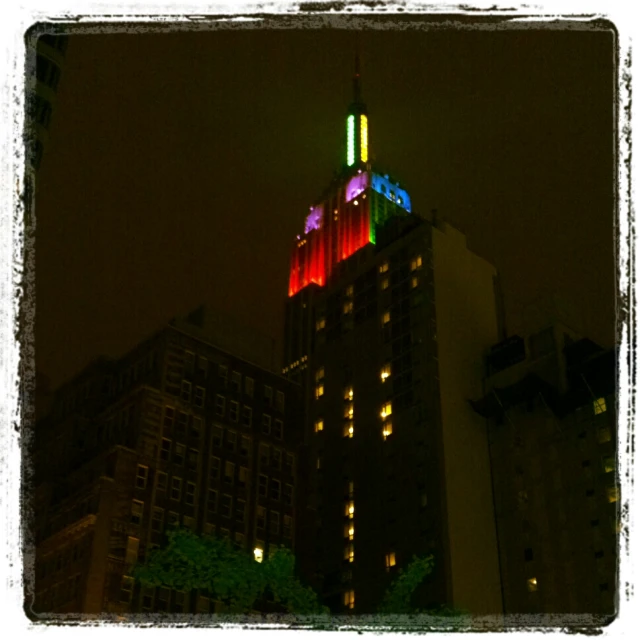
(190, 561)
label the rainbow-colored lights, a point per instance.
(364, 139)
(351, 140)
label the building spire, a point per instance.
(356, 81)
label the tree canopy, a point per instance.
(231, 575)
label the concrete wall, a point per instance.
(466, 327)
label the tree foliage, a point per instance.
(231, 575)
(190, 562)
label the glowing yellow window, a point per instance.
(348, 393)
(532, 584)
(349, 291)
(348, 552)
(349, 509)
(385, 372)
(384, 267)
(613, 494)
(386, 410)
(608, 464)
(416, 263)
(384, 284)
(320, 324)
(349, 599)
(319, 425)
(349, 530)
(414, 282)
(348, 411)
(386, 318)
(319, 391)
(387, 430)
(347, 432)
(258, 554)
(390, 560)
(347, 307)
(599, 406)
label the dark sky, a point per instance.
(181, 166)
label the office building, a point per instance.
(388, 318)
(180, 431)
(550, 400)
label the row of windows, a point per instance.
(236, 386)
(63, 560)
(274, 489)
(59, 594)
(269, 425)
(180, 454)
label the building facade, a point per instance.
(179, 432)
(387, 321)
(551, 403)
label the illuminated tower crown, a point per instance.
(345, 218)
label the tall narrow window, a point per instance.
(349, 552)
(319, 425)
(236, 381)
(268, 396)
(220, 402)
(385, 372)
(386, 410)
(176, 488)
(233, 411)
(190, 494)
(141, 477)
(390, 560)
(349, 599)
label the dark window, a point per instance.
(225, 506)
(277, 429)
(528, 555)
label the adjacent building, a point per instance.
(550, 399)
(180, 431)
(388, 319)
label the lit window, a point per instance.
(385, 372)
(348, 552)
(387, 430)
(384, 284)
(320, 374)
(416, 263)
(386, 410)
(319, 391)
(390, 560)
(532, 584)
(349, 530)
(613, 494)
(319, 425)
(320, 324)
(349, 599)
(258, 554)
(348, 411)
(349, 291)
(347, 307)
(384, 267)
(348, 430)
(349, 509)
(599, 406)
(386, 318)
(414, 282)
(604, 435)
(348, 393)
(608, 464)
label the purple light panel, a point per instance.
(314, 219)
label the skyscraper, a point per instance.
(388, 318)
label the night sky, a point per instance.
(181, 166)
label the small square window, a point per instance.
(599, 406)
